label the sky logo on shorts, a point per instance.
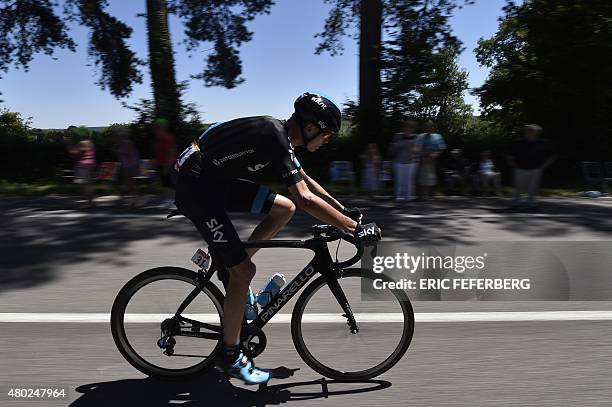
(215, 229)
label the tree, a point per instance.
(28, 27)
(421, 78)
(551, 63)
(375, 17)
(370, 99)
(163, 76)
(13, 126)
(343, 16)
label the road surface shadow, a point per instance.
(34, 250)
(213, 389)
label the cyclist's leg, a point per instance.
(245, 196)
(202, 200)
(281, 212)
(235, 362)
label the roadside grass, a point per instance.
(54, 187)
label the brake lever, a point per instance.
(346, 236)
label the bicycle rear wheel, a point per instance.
(323, 339)
(153, 297)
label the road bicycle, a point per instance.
(167, 321)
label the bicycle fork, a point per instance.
(332, 283)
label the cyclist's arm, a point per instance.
(317, 207)
(319, 191)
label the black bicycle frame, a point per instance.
(321, 263)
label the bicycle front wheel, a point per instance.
(323, 338)
(153, 297)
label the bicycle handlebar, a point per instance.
(331, 233)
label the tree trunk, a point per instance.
(370, 102)
(161, 63)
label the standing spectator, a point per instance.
(405, 151)
(129, 159)
(432, 144)
(164, 148)
(457, 171)
(371, 161)
(528, 158)
(488, 175)
(84, 155)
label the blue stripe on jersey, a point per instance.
(296, 162)
(260, 199)
(207, 130)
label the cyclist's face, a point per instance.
(318, 141)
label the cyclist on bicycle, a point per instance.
(221, 172)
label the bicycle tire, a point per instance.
(118, 320)
(365, 374)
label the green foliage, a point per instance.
(188, 128)
(28, 27)
(146, 111)
(551, 63)
(421, 78)
(343, 16)
(13, 126)
(27, 153)
(107, 46)
(222, 22)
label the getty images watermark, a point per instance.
(458, 264)
(493, 271)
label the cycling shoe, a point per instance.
(244, 370)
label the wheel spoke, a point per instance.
(332, 350)
(136, 329)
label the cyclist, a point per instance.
(221, 172)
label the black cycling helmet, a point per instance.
(320, 110)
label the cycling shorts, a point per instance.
(205, 196)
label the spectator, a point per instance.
(457, 171)
(164, 148)
(528, 158)
(371, 161)
(405, 151)
(84, 155)
(129, 159)
(488, 176)
(432, 144)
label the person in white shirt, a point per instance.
(405, 151)
(488, 176)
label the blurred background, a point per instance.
(465, 122)
(479, 70)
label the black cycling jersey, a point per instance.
(221, 173)
(251, 148)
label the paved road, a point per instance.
(57, 259)
(449, 364)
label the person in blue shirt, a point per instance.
(432, 145)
